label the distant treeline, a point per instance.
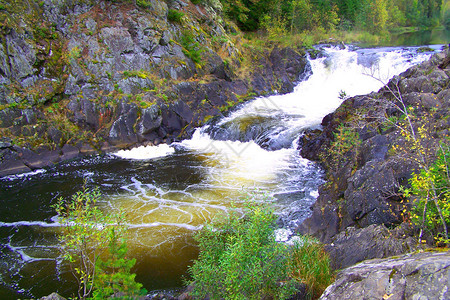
(374, 16)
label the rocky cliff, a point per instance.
(360, 212)
(82, 77)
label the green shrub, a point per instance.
(429, 208)
(114, 276)
(240, 259)
(175, 16)
(344, 147)
(191, 48)
(143, 4)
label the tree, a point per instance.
(373, 16)
(86, 235)
(114, 273)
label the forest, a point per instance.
(373, 16)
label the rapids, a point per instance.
(170, 191)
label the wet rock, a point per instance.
(122, 133)
(11, 163)
(100, 56)
(69, 152)
(86, 149)
(85, 113)
(364, 190)
(413, 276)
(150, 120)
(171, 122)
(38, 159)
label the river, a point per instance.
(170, 191)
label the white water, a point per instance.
(146, 152)
(169, 192)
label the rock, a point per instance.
(412, 276)
(149, 121)
(98, 63)
(135, 85)
(53, 296)
(39, 159)
(118, 40)
(364, 190)
(21, 56)
(85, 113)
(122, 133)
(86, 149)
(69, 152)
(354, 245)
(10, 163)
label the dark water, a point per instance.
(29, 263)
(424, 37)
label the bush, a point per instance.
(240, 259)
(430, 209)
(343, 149)
(175, 16)
(143, 4)
(191, 48)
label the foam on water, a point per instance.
(146, 152)
(239, 163)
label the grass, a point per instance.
(311, 266)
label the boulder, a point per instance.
(10, 163)
(53, 296)
(413, 276)
(38, 159)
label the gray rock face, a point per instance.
(122, 132)
(121, 74)
(409, 277)
(150, 121)
(21, 56)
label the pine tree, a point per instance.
(114, 274)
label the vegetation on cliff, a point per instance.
(94, 76)
(91, 76)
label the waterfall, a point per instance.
(170, 191)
